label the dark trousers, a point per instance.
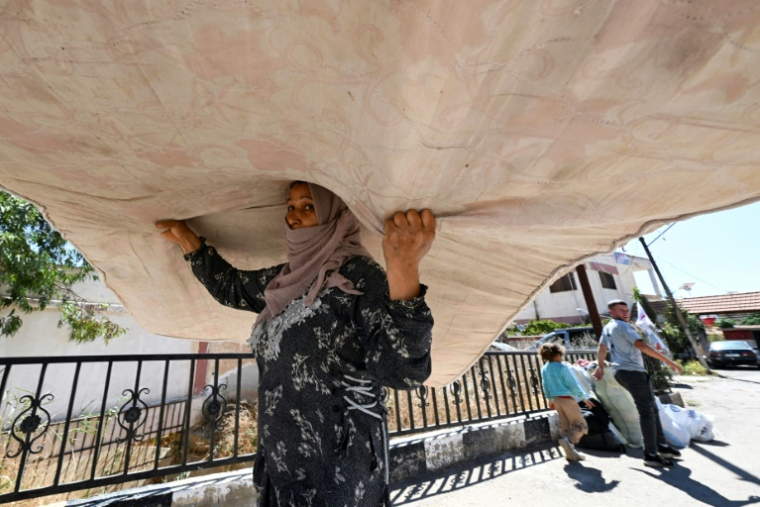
(637, 383)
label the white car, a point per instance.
(503, 347)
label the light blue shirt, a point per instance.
(620, 337)
(558, 380)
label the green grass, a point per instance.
(692, 367)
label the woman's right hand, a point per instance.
(178, 232)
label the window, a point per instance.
(608, 281)
(564, 284)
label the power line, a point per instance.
(660, 235)
(695, 277)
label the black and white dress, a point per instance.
(322, 429)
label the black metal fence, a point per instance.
(137, 431)
(499, 385)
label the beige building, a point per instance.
(611, 276)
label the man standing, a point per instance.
(625, 347)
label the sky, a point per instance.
(718, 252)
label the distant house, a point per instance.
(733, 306)
(611, 276)
(727, 306)
(744, 333)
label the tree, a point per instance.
(644, 302)
(38, 267)
(670, 330)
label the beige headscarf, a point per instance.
(315, 255)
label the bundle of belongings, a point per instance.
(614, 421)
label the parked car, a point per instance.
(732, 353)
(503, 347)
(570, 338)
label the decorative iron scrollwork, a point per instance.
(29, 422)
(485, 383)
(422, 394)
(214, 407)
(534, 381)
(133, 418)
(456, 391)
(512, 386)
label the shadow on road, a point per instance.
(588, 479)
(680, 478)
(468, 474)
(746, 476)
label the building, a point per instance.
(727, 306)
(611, 276)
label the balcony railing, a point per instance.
(73, 424)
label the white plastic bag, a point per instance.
(702, 430)
(699, 426)
(676, 433)
(584, 379)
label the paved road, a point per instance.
(723, 473)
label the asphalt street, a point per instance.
(724, 472)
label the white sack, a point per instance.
(675, 432)
(695, 425)
(538, 132)
(620, 405)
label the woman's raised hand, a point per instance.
(408, 237)
(178, 232)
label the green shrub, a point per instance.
(692, 367)
(750, 320)
(670, 330)
(536, 328)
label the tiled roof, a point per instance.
(743, 302)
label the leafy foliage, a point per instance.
(37, 267)
(750, 320)
(642, 299)
(87, 322)
(538, 327)
(670, 330)
(725, 323)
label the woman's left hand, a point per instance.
(408, 237)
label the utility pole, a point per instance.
(588, 296)
(676, 309)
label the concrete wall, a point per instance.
(41, 336)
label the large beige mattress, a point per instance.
(539, 132)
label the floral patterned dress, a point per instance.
(322, 427)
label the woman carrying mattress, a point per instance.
(333, 329)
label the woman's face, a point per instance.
(301, 212)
